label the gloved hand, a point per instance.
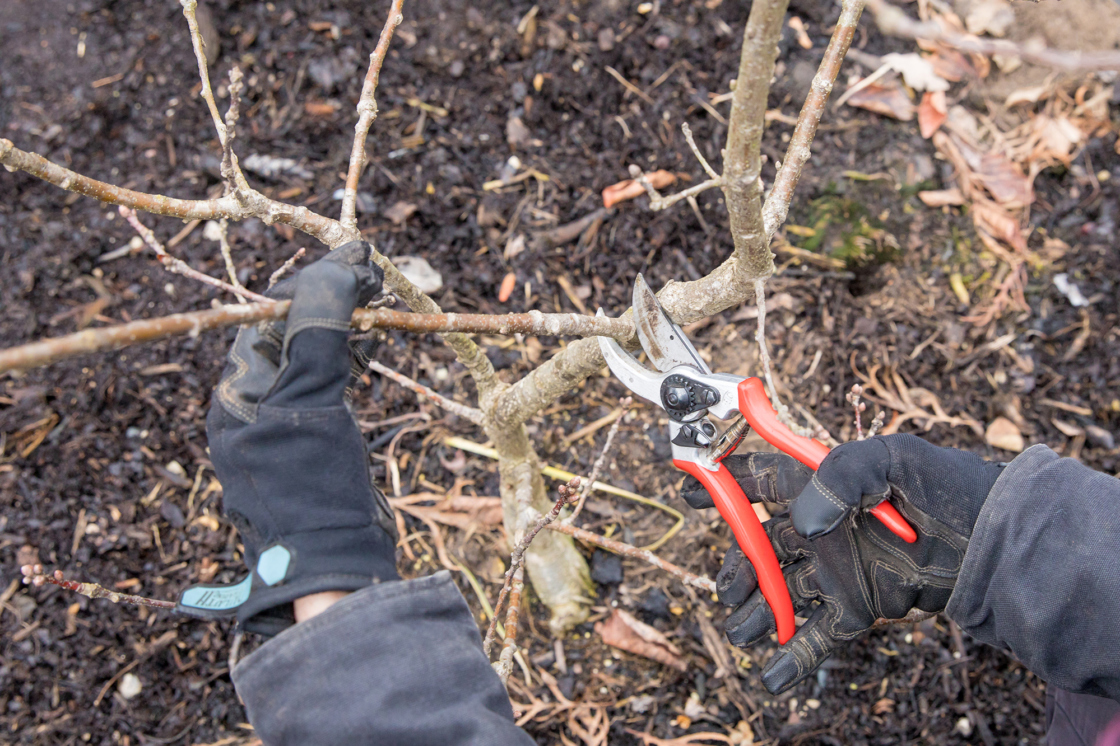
(292, 462)
(851, 570)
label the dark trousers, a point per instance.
(1081, 719)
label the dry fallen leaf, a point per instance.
(990, 17)
(932, 113)
(1055, 138)
(886, 97)
(951, 64)
(631, 188)
(400, 212)
(941, 198)
(419, 273)
(917, 71)
(623, 631)
(1005, 180)
(1003, 433)
(999, 224)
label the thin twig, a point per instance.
(776, 208)
(46, 351)
(462, 410)
(696, 152)
(34, 575)
(227, 257)
(764, 357)
(627, 550)
(367, 112)
(858, 408)
(623, 406)
(517, 558)
(235, 180)
(285, 268)
(895, 22)
(178, 266)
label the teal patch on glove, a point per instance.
(272, 567)
(214, 600)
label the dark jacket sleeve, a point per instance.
(1041, 576)
(396, 663)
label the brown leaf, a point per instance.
(951, 64)
(886, 97)
(1005, 180)
(932, 113)
(623, 631)
(942, 197)
(1003, 433)
(400, 212)
(631, 188)
(999, 224)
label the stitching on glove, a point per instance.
(317, 323)
(832, 496)
(227, 397)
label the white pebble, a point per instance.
(129, 685)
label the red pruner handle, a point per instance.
(755, 406)
(736, 510)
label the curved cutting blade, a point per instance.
(643, 382)
(664, 342)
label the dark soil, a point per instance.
(89, 441)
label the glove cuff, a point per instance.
(314, 562)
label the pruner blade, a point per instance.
(663, 340)
(636, 377)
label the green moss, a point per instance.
(843, 228)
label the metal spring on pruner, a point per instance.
(730, 439)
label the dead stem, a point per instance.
(623, 406)
(461, 410)
(517, 559)
(627, 550)
(34, 575)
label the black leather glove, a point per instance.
(292, 462)
(852, 570)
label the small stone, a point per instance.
(606, 567)
(1003, 433)
(129, 685)
(212, 231)
(176, 468)
(606, 39)
(964, 727)
(457, 68)
(1100, 437)
(813, 704)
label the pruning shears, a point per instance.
(688, 391)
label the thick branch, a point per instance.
(895, 22)
(742, 160)
(367, 112)
(776, 209)
(52, 350)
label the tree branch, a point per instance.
(895, 22)
(52, 350)
(256, 204)
(367, 112)
(742, 159)
(776, 209)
